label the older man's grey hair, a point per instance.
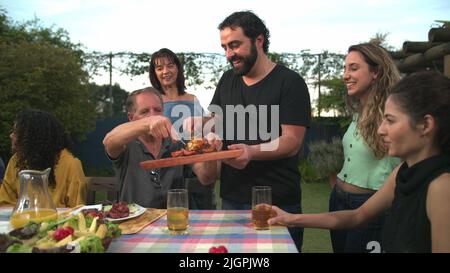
(130, 104)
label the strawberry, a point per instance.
(70, 230)
(222, 249)
(61, 233)
(219, 249)
(213, 249)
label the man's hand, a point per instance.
(214, 140)
(193, 126)
(241, 161)
(160, 127)
(207, 171)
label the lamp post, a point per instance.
(111, 99)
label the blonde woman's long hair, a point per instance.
(370, 115)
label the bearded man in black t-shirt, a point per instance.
(264, 109)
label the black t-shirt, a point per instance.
(282, 88)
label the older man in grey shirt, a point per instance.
(147, 136)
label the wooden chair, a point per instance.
(102, 184)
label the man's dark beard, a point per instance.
(247, 61)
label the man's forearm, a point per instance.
(282, 147)
(123, 134)
(206, 171)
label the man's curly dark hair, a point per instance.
(40, 138)
(251, 24)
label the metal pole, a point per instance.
(319, 82)
(111, 100)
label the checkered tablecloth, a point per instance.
(231, 228)
(5, 213)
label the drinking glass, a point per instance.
(177, 211)
(261, 206)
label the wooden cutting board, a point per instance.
(137, 224)
(183, 160)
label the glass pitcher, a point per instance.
(34, 202)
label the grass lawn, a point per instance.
(314, 200)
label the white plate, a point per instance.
(138, 211)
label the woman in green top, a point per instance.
(369, 74)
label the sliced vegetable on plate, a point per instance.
(70, 233)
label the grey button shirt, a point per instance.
(147, 188)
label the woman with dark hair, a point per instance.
(40, 142)
(173, 82)
(416, 195)
(167, 76)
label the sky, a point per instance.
(191, 25)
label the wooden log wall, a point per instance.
(433, 54)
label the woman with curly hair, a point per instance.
(39, 142)
(369, 75)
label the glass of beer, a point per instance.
(261, 206)
(177, 211)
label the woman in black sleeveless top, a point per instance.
(416, 196)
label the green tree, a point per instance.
(380, 39)
(101, 98)
(40, 68)
(320, 68)
(334, 99)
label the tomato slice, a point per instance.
(188, 153)
(177, 153)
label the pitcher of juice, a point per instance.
(34, 202)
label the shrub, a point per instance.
(309, 173)
(326, 157)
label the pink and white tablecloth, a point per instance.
(231, 228)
